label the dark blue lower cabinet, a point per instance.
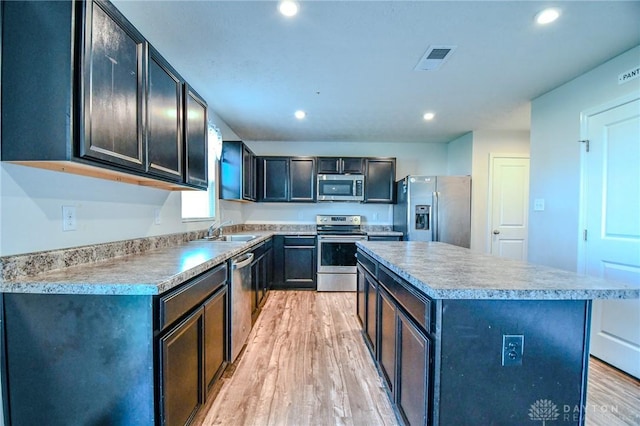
(414, 350)
(181, 386)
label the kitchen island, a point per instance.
(466, 338)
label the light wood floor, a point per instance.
(306, 364)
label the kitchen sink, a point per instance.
(232, 237)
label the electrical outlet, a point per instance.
(512, 349)
(538, 205)
(156, 216)
(69, 218)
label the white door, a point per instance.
(612, 246)
(509, 204)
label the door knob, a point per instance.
(496, 232)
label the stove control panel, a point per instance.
(338, 220)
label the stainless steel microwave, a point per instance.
(340, 187)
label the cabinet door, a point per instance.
(273, 179)
(248, 175)
(299, 266)
(328, 165)
(268, 262)
(361, 297)
(164, 118)
(215, 335)
(379, 180)
(352, 165)
(303, 179)
(195, 139)
(180, 379)
(372, 312)
(387, 339)
(113, 82)
(412, 396)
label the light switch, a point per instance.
(538, 204)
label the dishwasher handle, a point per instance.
(242, 261)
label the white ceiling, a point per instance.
(350, 64)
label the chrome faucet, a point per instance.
(216, 230)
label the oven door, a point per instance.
(337, 253)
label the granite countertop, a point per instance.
(385, 233)
(444, 271)
(149, 273)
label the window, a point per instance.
(203, 204)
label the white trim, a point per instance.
(585, 116)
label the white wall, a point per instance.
(31, 203)
(485, 143)
(555, 157)
(460, 155)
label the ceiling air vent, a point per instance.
(434, 57)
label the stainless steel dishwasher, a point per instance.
(240, 302)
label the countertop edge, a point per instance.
(623, 292)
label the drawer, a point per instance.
(300, 241)
(367, 263)
(416, 305)
(180, 301)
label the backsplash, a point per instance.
(29, 264)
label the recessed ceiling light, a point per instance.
(288, 8)
(547, 16)
(300, 114)
(428, 116)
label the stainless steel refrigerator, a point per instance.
(434, 208)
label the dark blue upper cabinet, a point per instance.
(113, 83)
(164, 110)
(84, 92)
(196, 139)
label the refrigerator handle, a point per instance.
(434, 218)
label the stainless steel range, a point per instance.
(337, 236)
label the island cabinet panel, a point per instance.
(361, 308)
(387, 340)
(413, 363)
(448, 361)
(554, 364)
(371, 325)
(113, 82)
(82, 359)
